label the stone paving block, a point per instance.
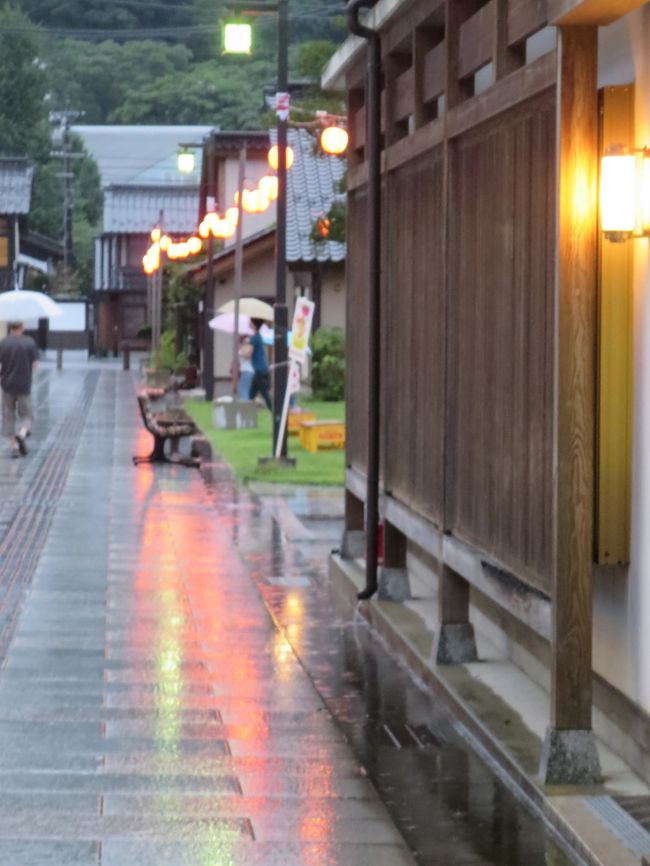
(225, 850)
(35, 852)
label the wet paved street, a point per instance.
(182, 689)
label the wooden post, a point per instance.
(455, 643)
(352, 544)
(505, 58)
(393, 575)
(569, 755)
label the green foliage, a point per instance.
(165, 357)
(117, 14)
(328, 364)
(312, 57)
(24, 129)
(219, 91)
(98, 79)
(180, 288)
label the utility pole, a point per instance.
(280, 317)
(62, 140)
(208, 298)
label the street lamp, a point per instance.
(185, 161)
(280, 313)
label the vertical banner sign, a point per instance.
(299, 340)
(282, 105)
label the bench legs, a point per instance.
(158, 454)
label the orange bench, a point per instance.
(296, 419)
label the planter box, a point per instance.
(234, 414)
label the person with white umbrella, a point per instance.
(18, 355)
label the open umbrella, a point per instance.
(226, 322)
(21, 304)
(252, 307)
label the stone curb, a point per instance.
(348, 579)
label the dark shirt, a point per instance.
(258, 359)
(17, 356)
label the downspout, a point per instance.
(373, 150)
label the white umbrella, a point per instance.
(252, 307)
(18, 305)
(226, 322)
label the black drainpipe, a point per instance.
(373, 150)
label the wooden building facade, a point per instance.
(490, 360)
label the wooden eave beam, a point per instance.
(592, 12)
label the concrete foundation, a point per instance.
(393, 584)
(570, 758)
(353, 544)
(200, 447)
(455, 644)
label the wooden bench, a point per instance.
(322, 434)
(165, 426)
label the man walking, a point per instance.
(18, 354)
(261, 383)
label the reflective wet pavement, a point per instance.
(182, 689)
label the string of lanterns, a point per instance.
(333, 140)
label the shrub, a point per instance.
(328, 364)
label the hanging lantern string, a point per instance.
(253, 201)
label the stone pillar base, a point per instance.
(353, 544)
(200, 447)
(456, 644)
(393, 584)
(570, 758)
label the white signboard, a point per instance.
(301, 329)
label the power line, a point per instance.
(175, 33)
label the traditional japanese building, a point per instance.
(16, 176)
(497, 416)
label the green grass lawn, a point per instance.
(241, 448)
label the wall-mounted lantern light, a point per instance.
(185, 161)
(625, 193)
(237, 38)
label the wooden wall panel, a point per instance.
(356, 380)
(499, 485)
(413, 336)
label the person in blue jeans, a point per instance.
(261, 383)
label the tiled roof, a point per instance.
(135, 209)
(312, 187)
(15, 185)
(142, 154)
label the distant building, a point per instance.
(120, 285)
(16, 175)
(314, 269)
(142, 154)
(141, 180)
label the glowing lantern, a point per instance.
(268, 186)
(155, 235)
(164, 242)
(618, 194)
(274, 154)
(324, 225)
(194, 246)
(185, 161)
(232, 215)
(237, 38)
(334, 140)
(204, 230)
